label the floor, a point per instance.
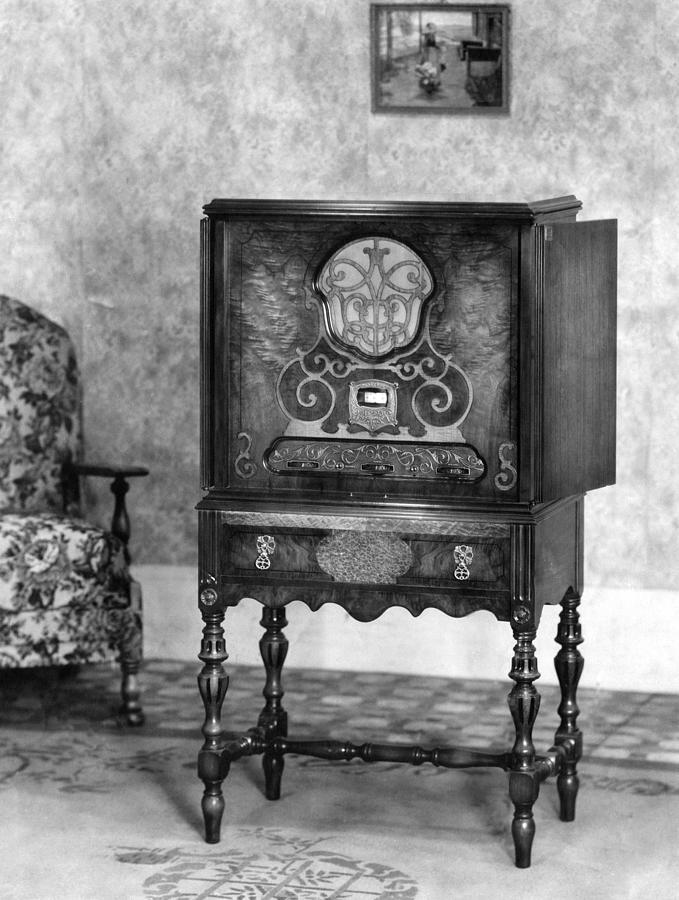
(99, 810)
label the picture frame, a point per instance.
(440, 58)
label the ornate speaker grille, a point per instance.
(373, 291)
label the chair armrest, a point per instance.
(103, 471)
(120, 521)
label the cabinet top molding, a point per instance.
(531, 213)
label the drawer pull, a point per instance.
(463, 556)
(266, 545)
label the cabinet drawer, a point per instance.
(372, 559)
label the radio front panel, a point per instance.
(365, 357)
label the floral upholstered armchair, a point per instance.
(66, 595)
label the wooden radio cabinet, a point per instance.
(403, 404)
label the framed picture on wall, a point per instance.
(440, 58)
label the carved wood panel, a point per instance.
(300, 379)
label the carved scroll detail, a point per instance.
(506, 477)
(463, 555)
(373, 291)
(243, 463)
(374, 333)
(458, 461)
(266, 545)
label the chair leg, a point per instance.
(129, 690)
(273, 719)
(568, 664)
(524, 781)
(131, 654)
(213, 683)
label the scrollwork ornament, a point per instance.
(506, 477)
(375, 294)
(373, 290)
(405, 459)
(243, 463)
(266, 545)
(463, 555)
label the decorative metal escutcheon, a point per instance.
(463, 556)
(266, 545)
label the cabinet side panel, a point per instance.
(559, 548)
(206, 358)
(215, 329)
(530, 365)
(578, 357)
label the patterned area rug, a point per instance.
(93, 809)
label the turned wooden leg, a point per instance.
(273, 719)
(120, 523)
(524, 782)
(213, 683)
(130, 691)
(568, 664)
(130, 648)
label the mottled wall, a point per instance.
(119, 120)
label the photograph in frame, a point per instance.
(440, 58)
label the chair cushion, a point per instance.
(64, 592)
